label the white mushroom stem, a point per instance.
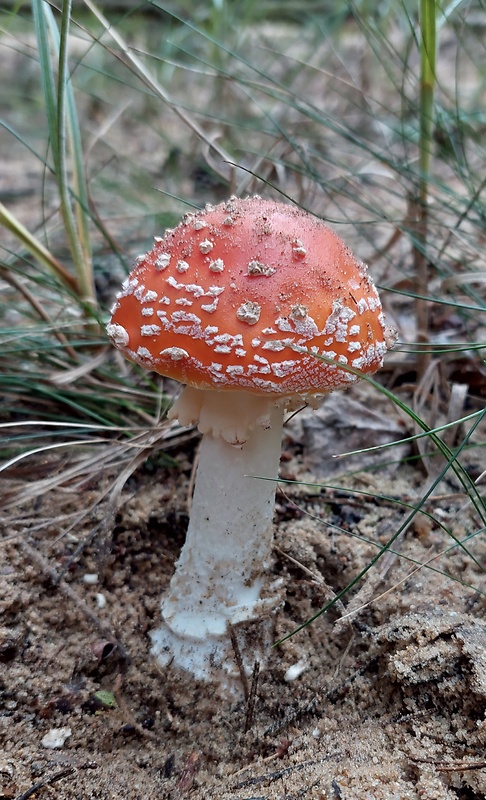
(219, 576)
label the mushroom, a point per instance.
(253, 305)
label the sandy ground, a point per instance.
(390, 705)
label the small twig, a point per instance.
(394, 238)
(336, 789)
(125, 712)
(103, 527)
(281, 773)
(365, 595)
(21, 287)
(192, 482)
(336, 692)
(68, 592)
(64, 773)
(250, 705)
(310, 708)
(316, 577)
(35, 788)
(113, 491)
(454, 766)
(239, 662)
(188, 774)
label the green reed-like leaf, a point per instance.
(65, 138)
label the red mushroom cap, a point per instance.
(243, 296)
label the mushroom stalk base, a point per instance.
(218, 578)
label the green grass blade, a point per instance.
(67, 130)
(48, 80)
(428, 58)
(410, 517)
(37, 249)
(65, 140)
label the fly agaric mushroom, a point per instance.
(239, 302)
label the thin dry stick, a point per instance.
(310, 708)
(68, 592)
(407, 577)
(421, 272)
(22, 288)
(453, 766)
(113, 492)
(192, 482)
(64, 773)
(271, 777)
(250, 706)
(368, 587)
(239, 662)
(141, 71)
(186, 780)
(356, 603)
(127, 716)
(315, 577)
